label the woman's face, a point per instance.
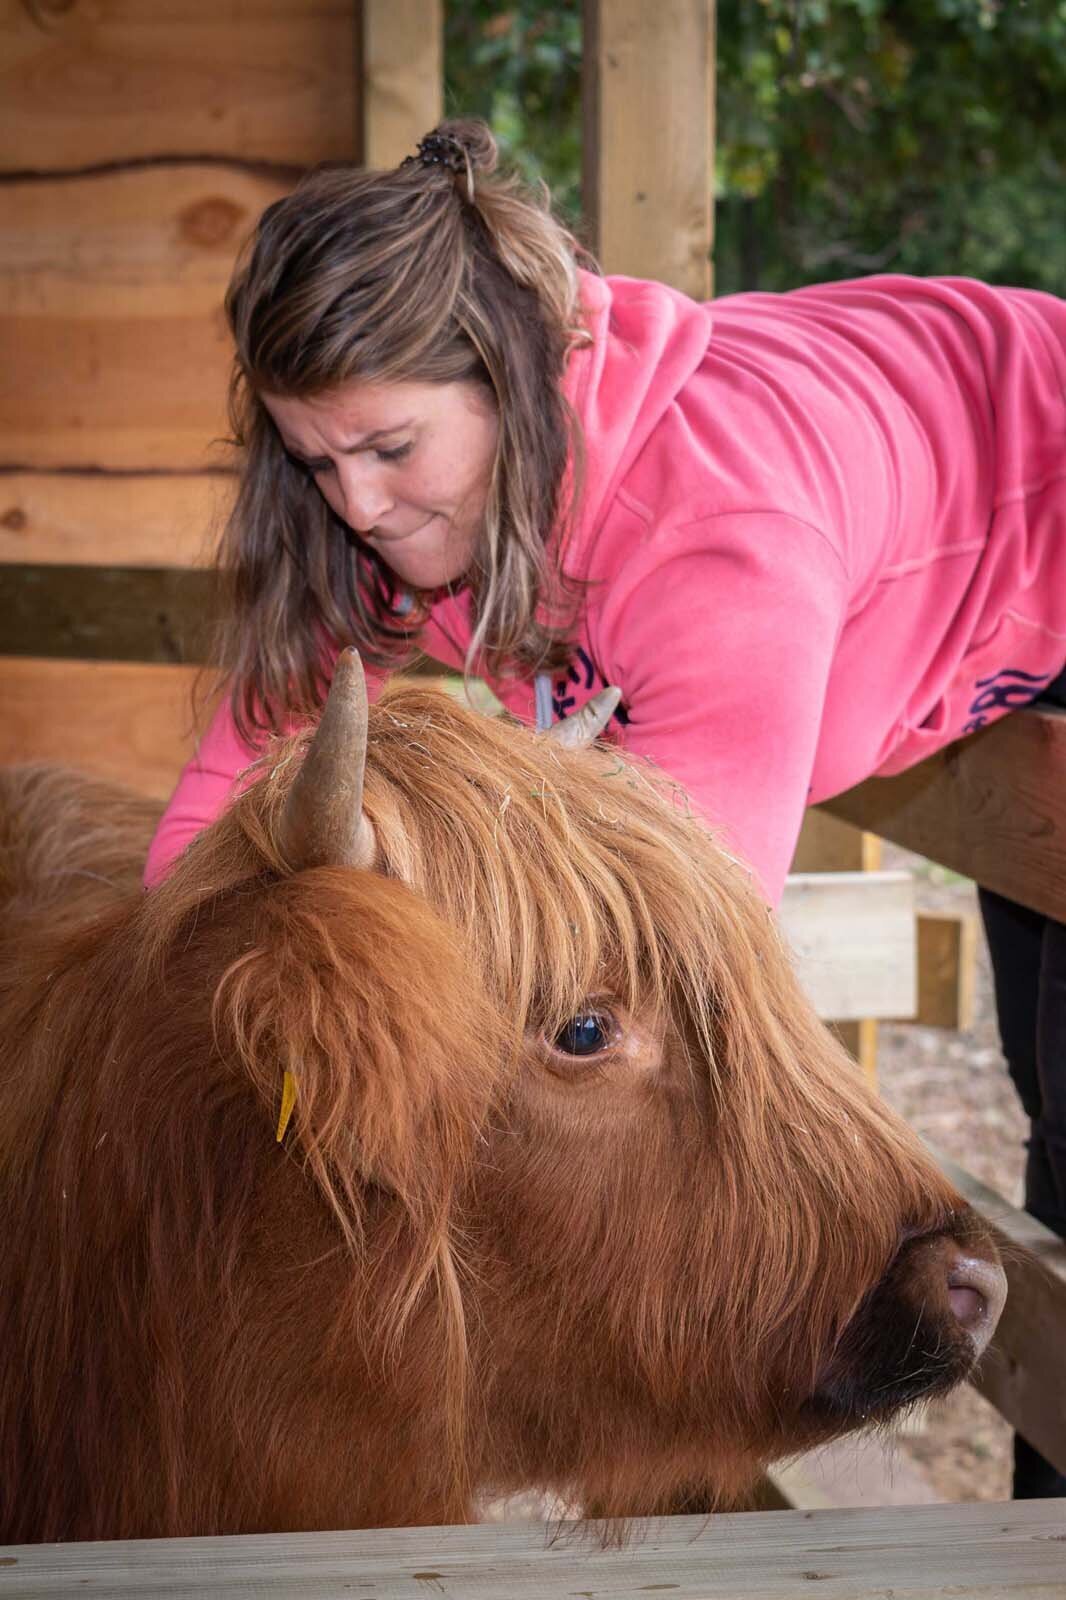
(406, 465)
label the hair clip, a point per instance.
(439, 150)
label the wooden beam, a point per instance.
(974, 1552)
(992, 807)
(107, 613)
(402, 77)
(853, 937)
(1024, 1372)
(648, 96)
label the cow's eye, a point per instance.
(586, 1034)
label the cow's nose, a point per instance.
(977, 1292)
(960, 1281)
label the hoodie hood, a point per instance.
(647, 341)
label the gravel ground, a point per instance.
(954, 1089)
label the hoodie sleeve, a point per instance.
(206, 784)
(722, 638)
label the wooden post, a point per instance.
(401, 68)
(827, 845)
(648, 94)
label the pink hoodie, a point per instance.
(824, 533)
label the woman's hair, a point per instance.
(439, 271)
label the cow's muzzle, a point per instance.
(920, 1331)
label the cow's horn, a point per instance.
(323, 824)
(575, 732)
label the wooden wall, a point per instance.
(138, 143)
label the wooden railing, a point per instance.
(972, 1552)
(993, 807)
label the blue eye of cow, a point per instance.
(585, 1035)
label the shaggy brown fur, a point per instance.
(476, 1260)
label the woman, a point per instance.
(811, 536)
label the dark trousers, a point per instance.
(1028, 953)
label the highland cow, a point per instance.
(450, 1121)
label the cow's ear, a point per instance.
(365, 1030)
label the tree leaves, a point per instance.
(854, 136)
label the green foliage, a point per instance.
(854, 136)
(519, 67)
(891, 135)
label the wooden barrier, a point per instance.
(971, 1552)
(992, 806)
(139, 144)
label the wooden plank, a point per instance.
(1024, 1373)
(116, 519)
(826, 844)
(947, 969)
(107, 283)
(648, 94)
(146, 243)
(852, 934)
(121, 392)
(107, 613)
(981, 1552)
(132, 723)
(115, 80)
(402, 60)
(992, 807)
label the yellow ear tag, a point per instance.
(288, 1100)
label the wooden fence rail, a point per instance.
(993, 807)
(971, 1552)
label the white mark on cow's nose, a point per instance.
(977, 1291)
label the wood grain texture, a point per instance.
(402, 57)
(853, 938)
(131, 723)
(970, 1552)
(112, 334)
(115, 519)
(992, 807)
(147, 243)
(947, 969)
(1024, 1372)
(122, 392)
(826, 844)
(648, 93)
(89, 81)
